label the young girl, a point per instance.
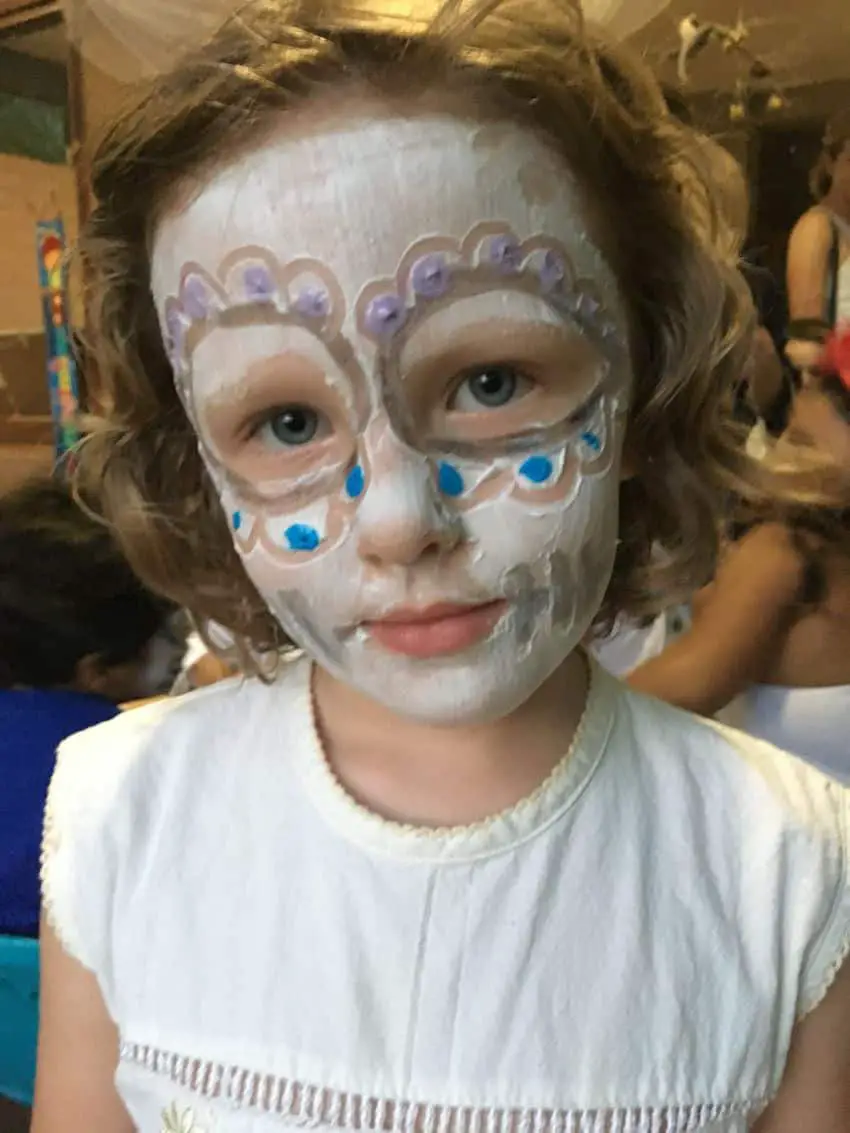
(388, 310)
(774, 625)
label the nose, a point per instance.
(402, 517)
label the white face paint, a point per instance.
(407, 364)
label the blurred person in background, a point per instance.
(772, 632)
(79, 635)
(819, 250)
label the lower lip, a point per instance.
(441, 636)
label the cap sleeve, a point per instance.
(78, 858)
(831, 948)
(95, 808)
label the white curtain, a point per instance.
(134, 38)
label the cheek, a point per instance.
(514, 530)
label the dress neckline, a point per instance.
(491, 836)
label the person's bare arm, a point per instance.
(815, 1092)
(736, 629)
(77, 1051)
(808, 255)
(764, 373)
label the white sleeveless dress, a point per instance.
(625, 951)
(843, 282)
(813, 723)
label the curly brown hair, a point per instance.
(671, 248)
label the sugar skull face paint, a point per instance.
(407, 364)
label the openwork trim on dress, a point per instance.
(312, 1106)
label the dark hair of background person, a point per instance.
(66, 591)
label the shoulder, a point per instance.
(773, 838)
(112, 782)
(766, 560)
(814, 226)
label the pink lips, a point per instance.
(436, 630)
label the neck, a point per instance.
(435, 776)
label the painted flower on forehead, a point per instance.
(553, 271)
(385, 316)
(259, 284)
(197, 297)
(505, 253)
(431, 276)
(175, 333)
(313, 303)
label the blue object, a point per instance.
(237, 520)
(450, 480)
(302, 537)
(33, 722)
(18, 1017)
(354, 482)
(592, 441)
(537, 469)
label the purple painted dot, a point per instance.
(553, 271)
(505, 253)
(259, 283)
(195, 298)
(587, 307)
(175, 329)
(313, 303)
(385, 315)
(431, 276)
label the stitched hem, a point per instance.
(309, 1105)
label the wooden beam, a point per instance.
(28, 77)
(33, 16)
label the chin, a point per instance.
(476, 687)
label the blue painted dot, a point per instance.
(450, 480)
(236, 520)
(301, 537)
(355, 482)
(592, 441)
(537, 469)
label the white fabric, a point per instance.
(629, 948)
(810, 722)
(631, 645)
(155, 33)
(843, 304)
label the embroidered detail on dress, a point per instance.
(176, 1120)
(312, 1106)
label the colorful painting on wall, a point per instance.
(61, 366)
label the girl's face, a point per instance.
(407, 364)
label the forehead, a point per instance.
(356, 194)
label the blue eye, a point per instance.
(290, 425)
(491, 387)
